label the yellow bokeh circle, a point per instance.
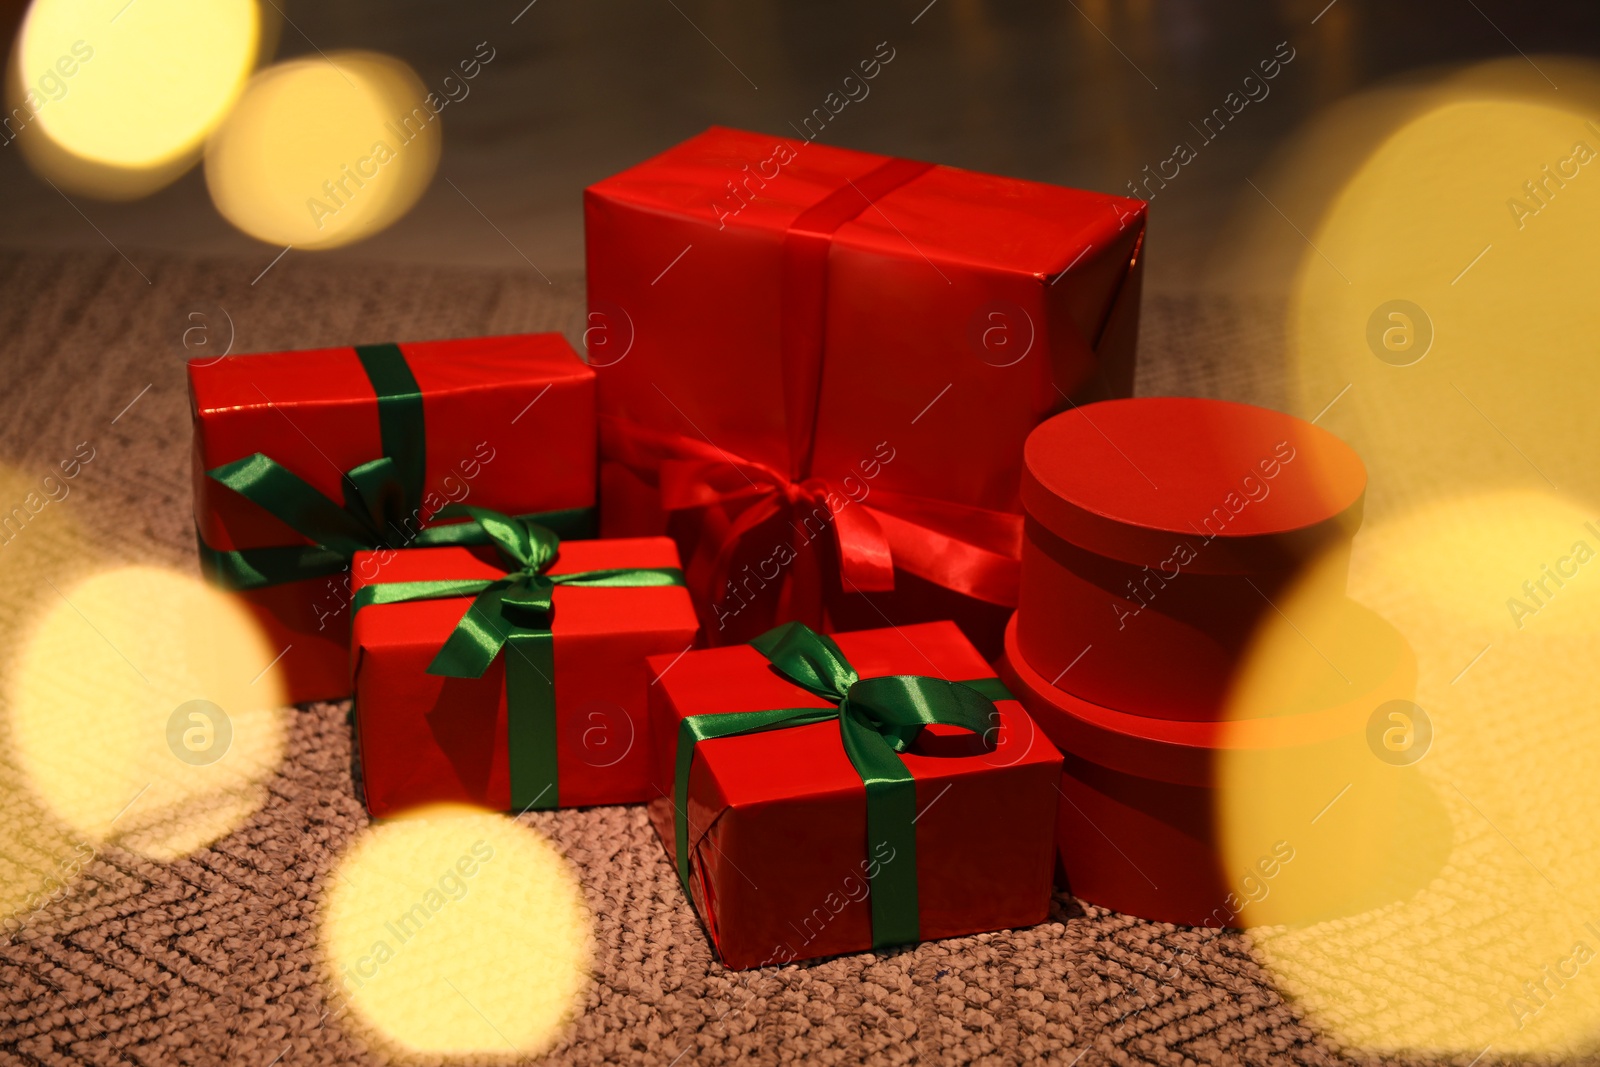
(1464, 240)
(324, 151)
(117, 98)
(145, 712)
(41, 857)
(455, 931)
(1439, 320)
(1486, 930)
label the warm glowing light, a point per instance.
(119, 96)
(41, 857)
(144, 711)
(456, 931)
(1308, 827)
(1452, 290)
(324, 151)
(1439, 319)
(1499, 943)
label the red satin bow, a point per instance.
(970, 550)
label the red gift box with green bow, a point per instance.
(302, 459)
(827, 795)
(511, 676)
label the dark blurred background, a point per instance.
(1084, 94)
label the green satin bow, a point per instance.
(879, 718)
(516, 612)
(381, 504)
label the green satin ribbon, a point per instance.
(879, 718)
(401, 427)
(514, 612)
(382, 499)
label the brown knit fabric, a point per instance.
(212, 959)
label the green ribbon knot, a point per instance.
(879, 718)
(514, 611)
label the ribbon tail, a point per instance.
(477, 638)
(294, 502)
(257, 568)
(951, 562)
(891, 831)
(866, 560)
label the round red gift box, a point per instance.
(1140, 827)
(1160, 531)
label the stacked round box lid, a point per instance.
(1160, 535)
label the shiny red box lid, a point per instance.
(1126, 478)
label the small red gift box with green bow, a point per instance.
(828, 795)
(512, 676)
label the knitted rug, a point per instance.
(213, 957)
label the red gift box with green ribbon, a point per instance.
(301, 459)
(828, 795)
(512, 676)
(817, 368)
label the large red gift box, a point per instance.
(504, 422)
(817, 368)
(779, 861)
(425, 738)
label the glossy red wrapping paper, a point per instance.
(777, 821)
(841, 329)
(510, 425)
(427, 739)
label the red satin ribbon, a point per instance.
(969, 550)
(805, 294)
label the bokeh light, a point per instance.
(145, 711)
(116, 99)
(324, 151)
(1438, 319)
(455, 931)
(41, 857)
(1309, 826)
(1493, 949)
(1442, 290)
